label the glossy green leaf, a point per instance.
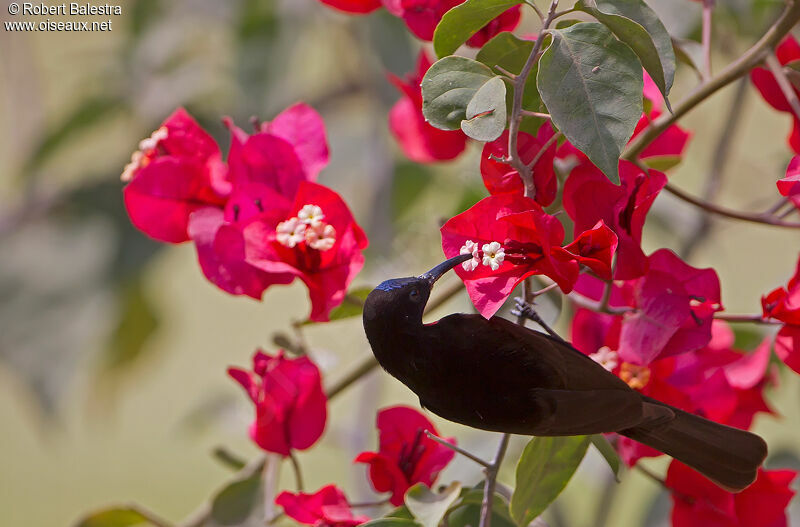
(635, 24)
(486, 112)
(429, 507)
(447, 89)
(609, 454)
(662, 163)
(117, 517)
(464, 20)
(591, 84)
(545, 468)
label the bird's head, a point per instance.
(403, 299)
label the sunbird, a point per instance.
(503, 377)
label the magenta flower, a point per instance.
(589, 197)
(291, 407)
(511, 238)
(316, 239)
(328, 507)
(406, 455)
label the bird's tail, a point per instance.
(727, 456)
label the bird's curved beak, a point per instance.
(435, 273)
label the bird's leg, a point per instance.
(526, 310)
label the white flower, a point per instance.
(321, 236)
(470, 247)
(606, 357)
(151, 142)
(311, 215)
(493, 255)
(132, 167)
(290, 232)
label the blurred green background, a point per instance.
(113, 348)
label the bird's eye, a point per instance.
(414, 295)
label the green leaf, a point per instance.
(609, 454)
(689, 52)
(592, 86)
(447, 89)
(511, 53)
(117, 517)
(241, 502)
(545, 468)
(400, 512)
(351, 306)
(467, 511)
(464, 20)
(390, 521)
(429, 507)
(409, 182)
(486, 112)
(662, 163)
(137, 322)
(635, 24)
(87, 114)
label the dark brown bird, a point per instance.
(500, 376)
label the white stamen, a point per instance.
(493, 255)
(290, 232)
(470, 247)
(321, 236)
(311, 215)
(606, 357)
(151, 142)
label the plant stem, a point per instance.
(544, 148)
(717, 168)
(516, 107)
(491, 482)
(588, 303)
(783, 83)
(708, 10)
(458, 450)
(729, 213)
(740, 67)
(149, 516)
(298, 474)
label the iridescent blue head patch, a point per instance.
(396, 283)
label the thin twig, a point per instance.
(717, 169)
(541, 115)
(708, 10)
(491, 482)
(783, 83)
(516, 107)
(458, 449)
(756, 319)
(592, 305)
(547, 144)
(729, 213)
(738, 68)
(298, 474)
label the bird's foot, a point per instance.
(524, 309)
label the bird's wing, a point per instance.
(513, 379)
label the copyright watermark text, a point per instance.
(72, 13)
